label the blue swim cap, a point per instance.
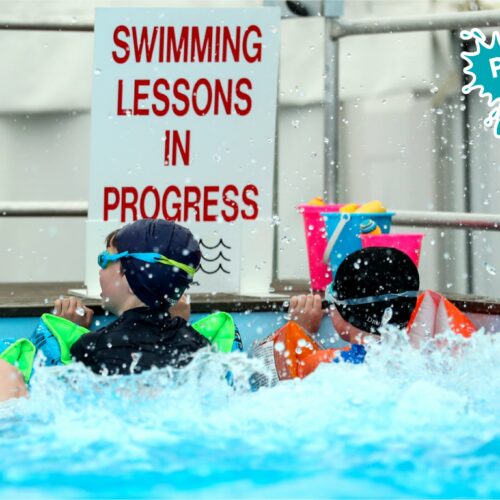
(158, 285)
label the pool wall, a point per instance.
(252, 326)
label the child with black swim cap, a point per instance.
(373, 287)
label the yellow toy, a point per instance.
(369, 226)
(372, 207)
(349, 208)
(317, 202)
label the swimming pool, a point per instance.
(405, 424)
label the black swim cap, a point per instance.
(376, 286)
(158, 285)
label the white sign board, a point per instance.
(183, 128)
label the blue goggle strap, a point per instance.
(330, 298)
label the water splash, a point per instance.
(406, 423)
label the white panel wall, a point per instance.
(391, 146)
(485, 168)
(44, 157)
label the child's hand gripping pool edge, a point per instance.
(72, 309)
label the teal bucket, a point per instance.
(343, 230)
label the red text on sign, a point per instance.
(193, 203)
(160, 97)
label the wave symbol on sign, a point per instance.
(209, 258)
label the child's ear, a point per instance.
(339, 324)
(124, 277)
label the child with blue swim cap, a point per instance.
(145, 269)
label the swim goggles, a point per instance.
(105, 258)
(331, 299)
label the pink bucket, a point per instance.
(410, 244)
(316, 240)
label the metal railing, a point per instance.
(339, 28)
(44, 209)
(428, 22)
(451, 220)
(46, 26)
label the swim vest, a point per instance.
(291, 353)
(434, 314)
(55, 336)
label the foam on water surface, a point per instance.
(407, 423)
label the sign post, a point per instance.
(183, 128)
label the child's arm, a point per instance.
(73, 309)
(11, 382)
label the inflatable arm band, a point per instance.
(219, 329)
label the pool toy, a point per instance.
(369, 226)
(349, 208)
(316, 202)
(291, 353)
(221, 331)
(373, 207)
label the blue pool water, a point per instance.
(405, 424)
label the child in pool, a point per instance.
(11, 382)
(145, 270)
(372, 287)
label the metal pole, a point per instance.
(467, 173)
(452, 220)
(430, 22)
(41, 26)
(331, 115)
(43, 209)
(456, 220)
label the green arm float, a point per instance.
(218, 328)
(66, 333)
(21, 355)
